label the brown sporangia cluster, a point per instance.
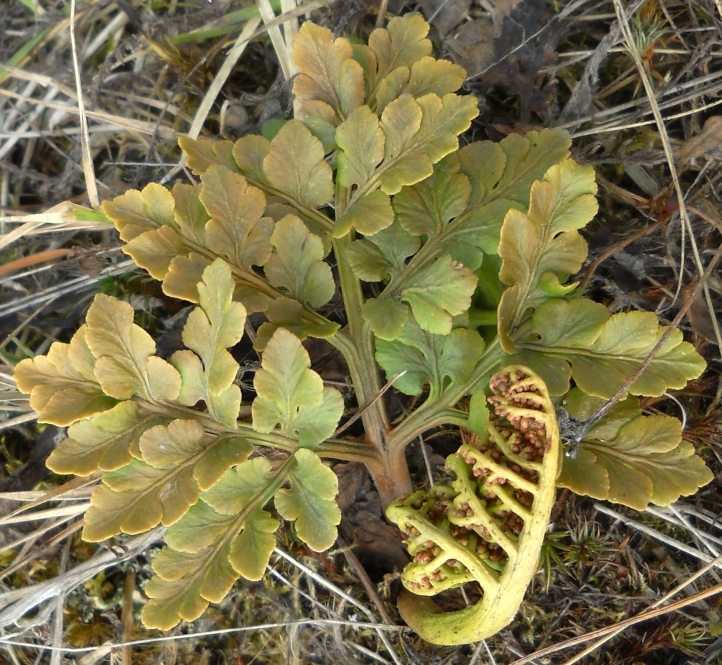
(500, 470)
(435, 506)
(515, 431)
(512, 399)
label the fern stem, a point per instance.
(361, 359)
(389, 470)
(440, 411)
(341, 449)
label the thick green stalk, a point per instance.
(362, 365)
(390, 472)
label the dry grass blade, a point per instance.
(623, 19)
(316, 624)
(673, 543)
(611, 631)
(222, 76)
(116, 121)
(13, 610)
(88, 169)
(339, 592)
(279, 43)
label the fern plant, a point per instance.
(453, 267)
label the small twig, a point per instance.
(382, 13)
(55, 657)
(126, 617)
(677, 589)
(575, 430)
(363, 576)
(650, 532)
(33, 259)
(623, 14)
(427, 462)
(360, 412)
(622, 625)
(319, 624)
(342, 594)
(616, 247)
(39, 594)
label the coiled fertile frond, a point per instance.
(488, 525)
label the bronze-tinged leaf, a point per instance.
(631, 459)
(170, 446)
(439, 77)
(368, 215)
(321, 120)
(249, 153)
(197, 530)
(437, 208)
(137, 212)
(103, 442)
(58, 384)
(392, 86)
(295, 166)
(427, 75)
(420, 132)
(292, 395)
(400, 122)
(80, 355)
(289, 314)
(184, 273)
(229, 450)
(209, 550)
(361, 143)
(190, 215)
(603, 350)
(326, 71)
(541, 248)
(402, 43)
(190, 368)
(297, 267)
(209, 331)
(163, 486)
(145, 497)
(202, 154)
(242, 493)
(311, 501)
(154, 250)
(228, 525)
(361, 147)
(237, 229)
(207, 572)
(125, 365)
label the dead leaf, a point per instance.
(525, 41)
(707, 144)
(444, 14)
(698, 314)
(509, 51)
(473, 45)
